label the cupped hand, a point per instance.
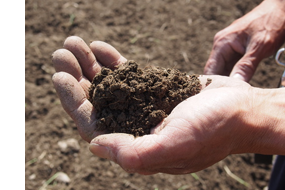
(239, 48)
(76, 65)
(199, 132)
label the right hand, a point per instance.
(199, 132)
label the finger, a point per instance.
(114, 147)
(106, 54)
(245, 67)
(146, 154)
(143, 155)
(218, 81)
(213, 81)
(132, 154)
(86, 59)
(221, 59)
(75, 103)
(227, 49)
(65, 61)
(215, 64)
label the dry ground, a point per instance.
(169, 33)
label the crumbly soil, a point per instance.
(134, 100)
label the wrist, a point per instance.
(263, 126)
(277, 5)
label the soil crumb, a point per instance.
(134, 100)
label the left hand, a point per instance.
(76, 65)
(239, 48)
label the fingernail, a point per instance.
(238, 76)
(99, 150)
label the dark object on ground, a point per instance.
(132, 100)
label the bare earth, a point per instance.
(171, 34)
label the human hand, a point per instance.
(75, 66)
(183, 138)
(199, 132)
(239, 48)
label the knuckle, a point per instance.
(219, 35)
(246, 67)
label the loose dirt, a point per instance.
(133, 100)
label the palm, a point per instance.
(198, 128)
(76, 65)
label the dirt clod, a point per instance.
(134, 100)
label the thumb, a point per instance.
(124, 149)
(245, 67)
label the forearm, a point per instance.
(264, 125)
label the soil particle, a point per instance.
(133, 100)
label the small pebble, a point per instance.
(32, 177)
(69, 145)
(62, 177)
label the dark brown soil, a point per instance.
(167, 33)
(133, 100)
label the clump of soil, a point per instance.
(132, 100)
